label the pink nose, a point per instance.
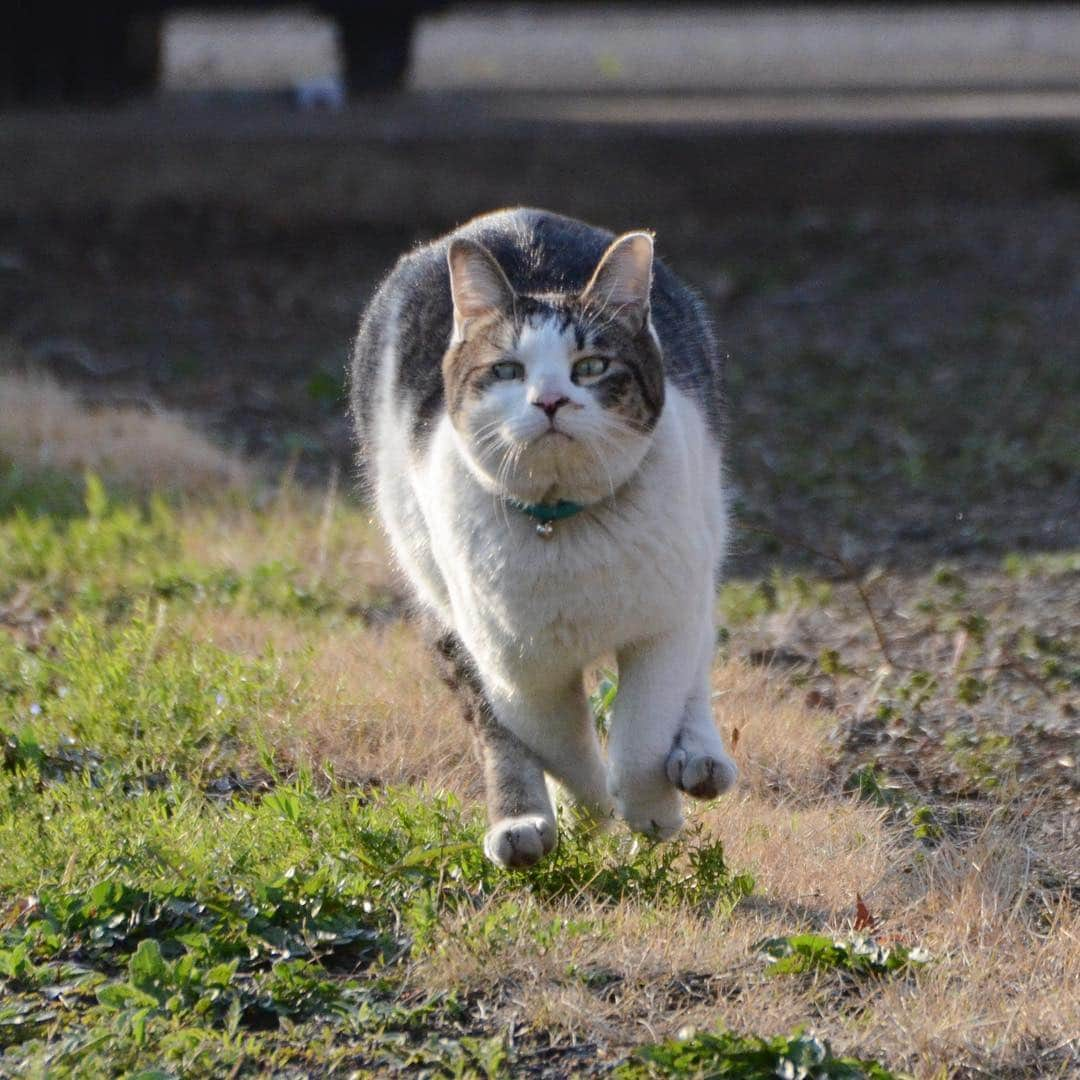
(551, 404)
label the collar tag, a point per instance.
(546, 514)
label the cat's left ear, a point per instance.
(623, 278)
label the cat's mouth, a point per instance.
(553, 433)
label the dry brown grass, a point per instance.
(45, 426)
(368, 702)
(1000, 998)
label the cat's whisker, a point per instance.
(504, 476)
(509, 463)
(490, 441)
(497, 500)
(487, 433)
(602, 462)
(490, 426)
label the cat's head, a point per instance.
(554, 396)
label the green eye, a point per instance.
(508, 369)
(591, 367)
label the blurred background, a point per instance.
(879, 203)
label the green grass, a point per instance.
(192, 934)
(37, 492)
(179, 896)
(151, 926)
(134, 697)
(741, 602)
(118, 553)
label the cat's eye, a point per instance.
(508, 369)
(591, 367)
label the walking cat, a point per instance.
(538, 408)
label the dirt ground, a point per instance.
(903, 367)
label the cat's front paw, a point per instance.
(704, 776)
(517, 842)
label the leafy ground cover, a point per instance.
(240, 823)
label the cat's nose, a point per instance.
(551, 404)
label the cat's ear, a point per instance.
(623, 278)
(477, 284)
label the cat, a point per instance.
(538, 406)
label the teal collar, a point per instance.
(548, 512)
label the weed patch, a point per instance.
(799, 1056)
(857, 956)
(136, 699)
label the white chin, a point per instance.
(557, 464)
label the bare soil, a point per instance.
(903, 369)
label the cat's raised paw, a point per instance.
(517, 842)
(703, 776)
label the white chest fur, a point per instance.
(621, 571)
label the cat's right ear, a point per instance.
(477, 284)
